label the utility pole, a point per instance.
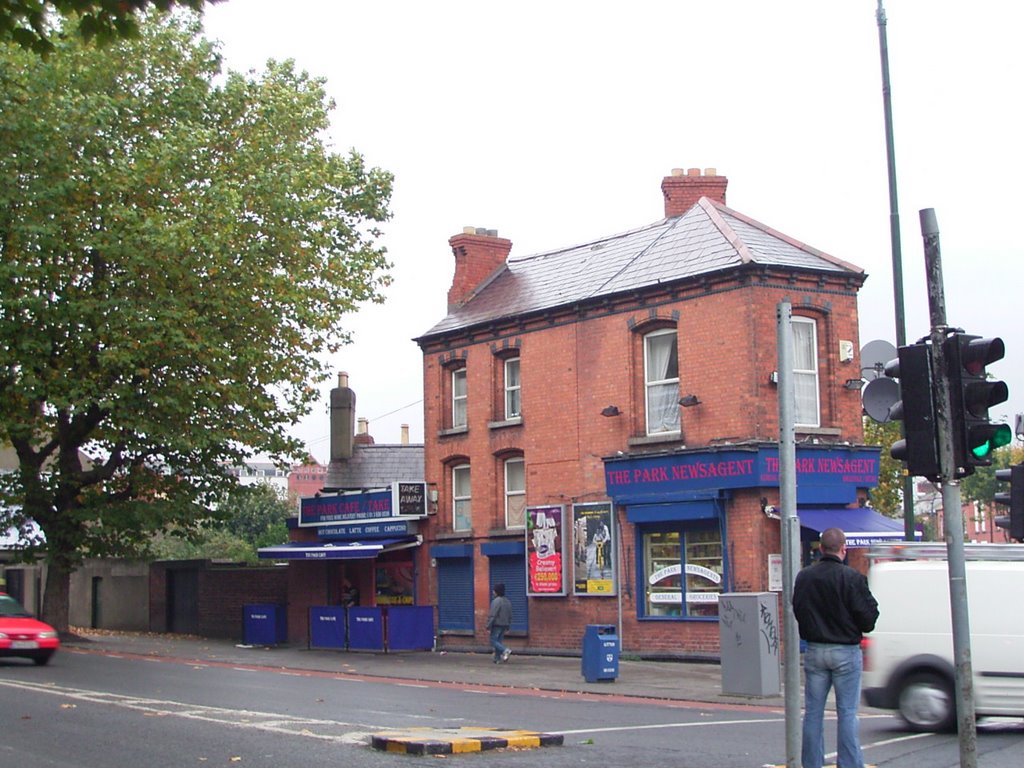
(894, 237)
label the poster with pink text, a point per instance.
(545, 537)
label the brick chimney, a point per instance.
(363, 436)
(343, 410)
(682, 189)
(479, 253)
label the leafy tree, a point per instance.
(254, 516)
(982, 486)
(29, 22)
(887, 498)
(177, 252)
(257, 514)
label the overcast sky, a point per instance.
(554, 122)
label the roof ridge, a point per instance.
(639, 254)
(710, 207)
(784, 237)
(590, 243)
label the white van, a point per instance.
(908, 661)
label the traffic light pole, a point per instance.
(790, 529)
(951, 503)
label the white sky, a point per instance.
(555, 121)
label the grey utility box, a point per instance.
(751, 643)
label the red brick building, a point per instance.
(601, 424)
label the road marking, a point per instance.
(655, 726)
(270, 722)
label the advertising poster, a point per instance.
(593, 548)
(545, 536)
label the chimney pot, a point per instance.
(469, 230)
(678, 172)
(682, 192)
(342, 379)
(405, 434)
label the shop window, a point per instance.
(462, 519)
(661, 381)
(805, 371)
(682, 572)
(513, 387)
(515, 493)
(459, 398)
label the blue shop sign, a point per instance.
(384, 528)
(824, 475)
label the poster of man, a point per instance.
(593, 549)
(544, 540)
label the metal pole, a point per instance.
(894, 237)
(951, 507)
(790, 528)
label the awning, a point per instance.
(337, 550)
(862, 526)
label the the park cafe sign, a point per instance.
(400, 501)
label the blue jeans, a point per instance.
(498, 641)
(832, 666)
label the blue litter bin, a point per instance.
(264, 624)
(600, 661)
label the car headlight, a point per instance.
(47, 635)
(3, 636)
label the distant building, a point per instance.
(256, 472)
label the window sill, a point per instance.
(667, 437)
(517, 421)
(450, 535)
(453, 431)
(824, 431)
(507, 533)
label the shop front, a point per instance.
(703, 522)
(352, 570)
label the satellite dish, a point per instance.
(873, 357)
(879, 396)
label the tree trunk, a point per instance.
(56, 596)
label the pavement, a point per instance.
(659, 680)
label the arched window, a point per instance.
(661, 381)
(462, 516)
(805, 372)
(515, 493)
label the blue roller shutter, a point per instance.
(455, 593)
(510, 570)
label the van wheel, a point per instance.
(926, 702)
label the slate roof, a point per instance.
(708, 238)
(376, 466)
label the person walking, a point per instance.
(499, 619)
(833, 608)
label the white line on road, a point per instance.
(272, 722)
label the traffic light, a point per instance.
(919, 448)
(971, 394)
(1014, 522)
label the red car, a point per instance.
(21, 635)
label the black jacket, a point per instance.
(832, 603)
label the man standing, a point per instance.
(833, 608)
(499, 619)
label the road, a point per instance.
(96, 711)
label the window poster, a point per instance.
(593, 549)
(545, 538)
